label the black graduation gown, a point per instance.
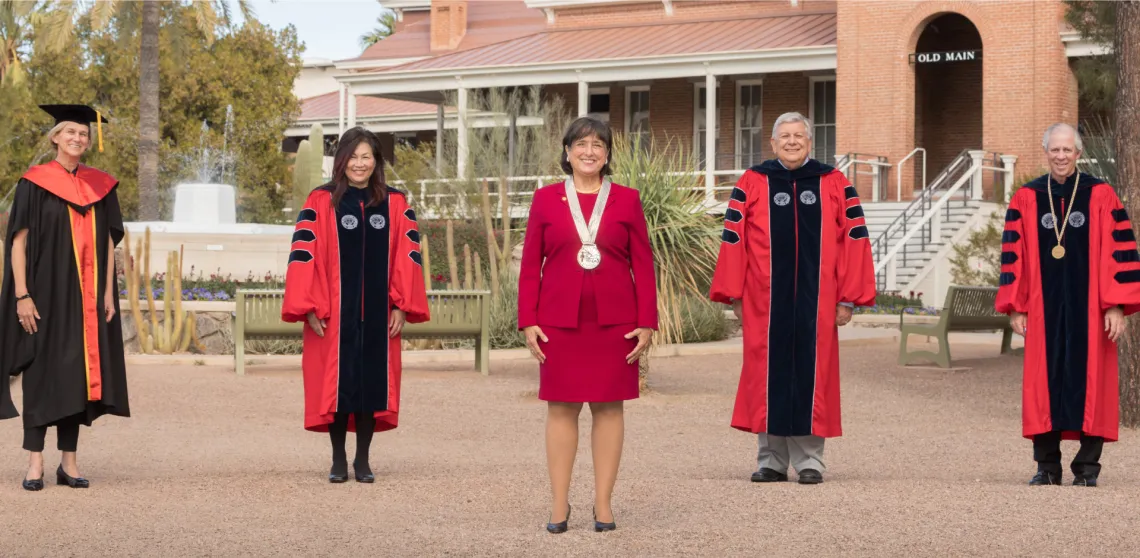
(74, 364)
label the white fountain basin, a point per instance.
(210, 240)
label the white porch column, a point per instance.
(976, 181)
(875, 173)
(1008, 162)
(461, 144)
(439, 137)
(351, 109)
(583, 98)
(340, 110)
(710, 138)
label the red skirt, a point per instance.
(587, 364)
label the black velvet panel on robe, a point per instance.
(1065, 284)
(795, 226)
(52, 360)
(362, 233)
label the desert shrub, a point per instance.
(702, 320)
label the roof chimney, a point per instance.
(448, 24)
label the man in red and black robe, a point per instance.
(352, 267)
(795, 258)
(1068, 297)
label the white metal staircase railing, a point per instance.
(924, 216)
(849, 163)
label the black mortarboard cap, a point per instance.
(80, 114)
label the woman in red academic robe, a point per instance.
(588, 309)
(354, 279)
(59, 315)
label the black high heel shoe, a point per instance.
(34, 484)
(562, 527)
(367, 477)
(600, 527)
(74, 482)
(338, 474)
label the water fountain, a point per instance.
(204, 225)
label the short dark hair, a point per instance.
(585, 127)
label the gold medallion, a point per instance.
(1058, 252)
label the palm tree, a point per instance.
(385, 26)
(15, 20)
(56, 28)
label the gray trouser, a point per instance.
(802, 452)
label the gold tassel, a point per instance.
(99, 129)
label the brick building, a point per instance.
(963, 88)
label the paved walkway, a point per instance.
(931, 464)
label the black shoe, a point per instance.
(1045, 478)
(769, 475)
(810, 476)
(1084, 481)
(363, 474)
(63, 478)
(600, 527)
(555, 528)
(338, 473)
(34, 484)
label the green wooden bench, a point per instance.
(966, 309)
(454, 315)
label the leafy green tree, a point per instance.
(250, 69)
(58, 25)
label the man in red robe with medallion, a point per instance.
(1070, 273)
(795, 259)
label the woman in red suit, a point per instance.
(588, 306)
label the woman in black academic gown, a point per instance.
(59, 313)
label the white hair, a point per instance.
(1066, 127)
(790, 117)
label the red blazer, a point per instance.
(550, 282)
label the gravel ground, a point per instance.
(932, 463)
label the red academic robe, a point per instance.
(74, 364)
(351, 267)
(1070, 369)
(795, 244)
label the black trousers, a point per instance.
(67, 435)
(1047, 454)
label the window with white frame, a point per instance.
(700, 104)
(823, 118)
(637, 115)
(599, 104)
(749, 128)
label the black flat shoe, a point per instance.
(555, 528)
(810, 476)
(769, 475)
(600, 527)
(338, 473)
(34, 484)
(74, 482)
(363, 474)
(1045, 478)
(1084, 481)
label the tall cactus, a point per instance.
(178, 330)
(301, 181)
(316, 156)
(308, 166)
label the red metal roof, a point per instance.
(488, 21)
(639, 41)
(325, 106)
